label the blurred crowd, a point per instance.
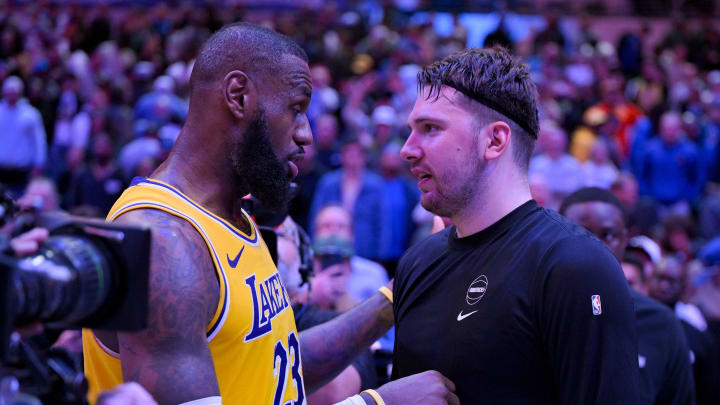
(94, 96)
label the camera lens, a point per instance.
(67, 280)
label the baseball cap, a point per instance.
(332, 250)
(333, 246)
(647, 245)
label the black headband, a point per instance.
(493, 105)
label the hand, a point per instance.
(29, 242)
(130, 393)
(427, 388)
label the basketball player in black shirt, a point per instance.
(666, 375)
(513, 303)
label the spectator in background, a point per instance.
(709, 138)
(310, 170)
(66, 135)
(633, 269)
(325, 99)
(161, 105)
(332, 272)
(630, 52)
(41, 195)
(360, 192)
(143, 151)
(678, 237)
(88, 121)
(499, 36)
(599, 170)
(562, 172)
(668, 285)
(361, 373)
(99, 183)
(326, 132)
(625, 188)
(663, 353)
(400, 196)
(384, 121)
(671, 169)
(22, 137)
(367, 276)
(551, 34)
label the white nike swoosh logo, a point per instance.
(461, 316)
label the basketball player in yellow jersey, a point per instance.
(219, 323)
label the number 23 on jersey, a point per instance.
(281, 364)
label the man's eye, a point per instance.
(431, 128)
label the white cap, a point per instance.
(649, 246)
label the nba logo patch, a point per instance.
(596, 305)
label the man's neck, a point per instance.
(209, 182)
(496, 200)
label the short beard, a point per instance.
(457, 190)
(258, 170)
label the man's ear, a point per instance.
(498, 135)
(240, 94)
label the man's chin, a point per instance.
(431, 203)
(278, 201)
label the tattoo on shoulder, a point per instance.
(183, 297)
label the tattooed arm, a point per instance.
(330, 347)
(171, 358)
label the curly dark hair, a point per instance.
(497, 80)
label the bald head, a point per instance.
(242, 46)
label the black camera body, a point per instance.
(88, 273)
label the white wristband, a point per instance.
(205, 401)
(353, 400)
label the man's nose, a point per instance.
(411, 149)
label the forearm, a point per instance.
(328, 348)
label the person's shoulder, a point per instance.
(566, 244)
(373, 179)
(648, 308)
(366, 265)
(556, 227)
(331, 177)
(430, 247)
(168, 229)
(689, 147)
(29, 110)
(570, 160)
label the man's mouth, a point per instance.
(422, 176)
(293, 162)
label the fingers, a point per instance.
(23, 247)
(438, 225)
(29, 242)
(448, 384)
(452, 399)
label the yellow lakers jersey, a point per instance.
(252, 337)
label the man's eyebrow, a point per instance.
(424, 118)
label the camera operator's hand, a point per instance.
(29, 242)
(130, 393)
(427, 388)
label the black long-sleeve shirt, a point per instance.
(531, 310)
